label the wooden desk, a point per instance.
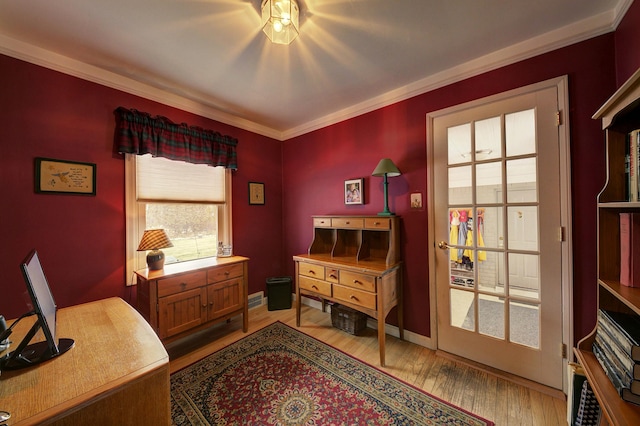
(117, 372)
(354, 261)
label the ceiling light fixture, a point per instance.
(280, 20)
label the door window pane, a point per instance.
(491, 272)
(491, 316)
(523, 227)
(521, 180)
(520, 133)
(459, 143)
(524, 321)
(489, 227)
(524, 275)
(462, 309)
(488, 139)
(460, 185)
(488, 182)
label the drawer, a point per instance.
(322, 222)
(317, 286)
(222, 273)
(347, 222)
(332, 274)
(359, 281)
(377, 223)
(173, 285)
(311, 270)
(356, 297)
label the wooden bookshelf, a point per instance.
(619, 115)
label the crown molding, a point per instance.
(583, 30)
(54, 61)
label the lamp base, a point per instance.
(386, 214)
(155, 260)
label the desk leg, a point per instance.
(381, 338)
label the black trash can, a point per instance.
(279, 293)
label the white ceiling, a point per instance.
(352, 56)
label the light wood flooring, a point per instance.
(477, 390)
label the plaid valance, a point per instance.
(139, 133)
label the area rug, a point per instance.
(280, 376)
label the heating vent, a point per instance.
(256, 299)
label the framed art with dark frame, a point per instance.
(64, 177)
(256, 193)
(354, 191)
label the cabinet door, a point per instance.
(224, 298)
(182, 311)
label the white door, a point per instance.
(496, 222)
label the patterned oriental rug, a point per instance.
(280, 376)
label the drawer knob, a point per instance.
(357, 282)
(314, 287)
(376, 223)
(183, 285)
(347, 222)
(226, 272)
(352, 297)
(335, 277)
(311, 272)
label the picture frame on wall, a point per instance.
(354, 191)
(64, 177)
(256, 193)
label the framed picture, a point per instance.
(416, 200)
(256, 193)
(354, 191)
(65, 177)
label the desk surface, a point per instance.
(114, 346)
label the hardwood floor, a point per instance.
(478, 390)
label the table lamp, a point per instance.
(387, 169)
(154, 240)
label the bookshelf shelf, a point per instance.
(617, 411)
(620, 115)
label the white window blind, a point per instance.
(161, 179)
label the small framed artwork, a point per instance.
(354, 191)
(416, 200)
(64, 177)
(256, 193)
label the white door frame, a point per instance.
(561, 83)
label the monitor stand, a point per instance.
(27, 355)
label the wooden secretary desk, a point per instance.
(354, 261)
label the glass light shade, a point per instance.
(386, 167)
(280, 20)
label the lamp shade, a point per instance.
(154, 240)
(386, 167)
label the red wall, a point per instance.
(316, 164)
(81, 239)
(627, 43)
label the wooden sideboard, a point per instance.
(354, 261)
(187, 296)
(117, 372)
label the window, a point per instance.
(191, 202)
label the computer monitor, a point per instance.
(45, 309)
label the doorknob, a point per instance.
(442, 245)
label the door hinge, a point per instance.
(558, 118)
(561, 234)
(564, 351)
